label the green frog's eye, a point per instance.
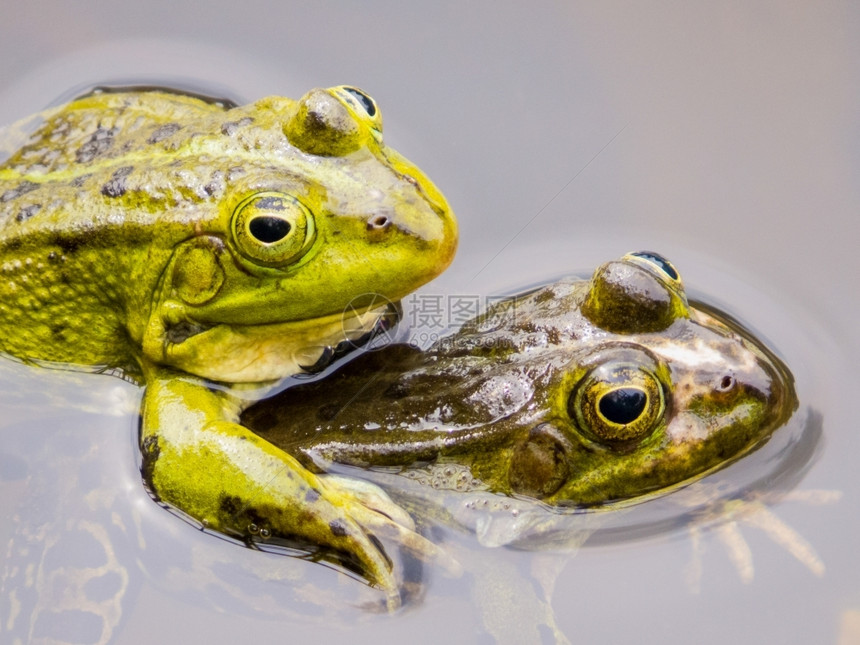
(363, 106)
(617, 403)
(366, 102)
(334, 122)
(273, 229)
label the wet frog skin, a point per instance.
(204, 249)
(580, 393)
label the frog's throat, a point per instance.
(261, 353)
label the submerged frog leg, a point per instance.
(199, 460)
(752, 510)
(738, 550)
(787, 538)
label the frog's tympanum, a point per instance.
(580, 393)
(199, 247)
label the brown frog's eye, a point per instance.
(617, 403)
(640, 293)
(658, 261)
(273, 228)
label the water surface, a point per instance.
(724, 136)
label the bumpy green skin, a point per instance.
(127, 240)
(515, 395)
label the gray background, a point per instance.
(724, 135)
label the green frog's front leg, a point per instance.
(197, 458)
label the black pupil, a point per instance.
(269, 229)
(365, 100)
(660, 261)
(623, 406)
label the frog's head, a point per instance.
(320, 225)
(651, 393)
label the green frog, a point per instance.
(207, 250)
(578, 394)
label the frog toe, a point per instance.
(385, 521)
(371, 496)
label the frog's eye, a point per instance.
(334, 122)
(273, 229)
(656, 261)
(366, 102)
(617, 403)
(362, 105)
(640, 293)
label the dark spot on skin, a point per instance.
(544, 296)
(27, 212)
(77, 182)
(162, 132)
(115, 186)
(312, 495)
(150, 452)
(99, 143)
(210, 189)
(67, 244)
(240, 513)
(328, 411)
(270, 204)
(337, 528)
(234, 172)
(58, 329)
(230, 504)
(21, 189)
(229, 128)
(396, 390)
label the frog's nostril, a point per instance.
(726, 383)
(378, 223)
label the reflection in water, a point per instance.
(84, 538)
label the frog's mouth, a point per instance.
(266, 353)
(360, 329)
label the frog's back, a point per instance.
(107, 154)
(78, 200)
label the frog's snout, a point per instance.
(780, 394)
